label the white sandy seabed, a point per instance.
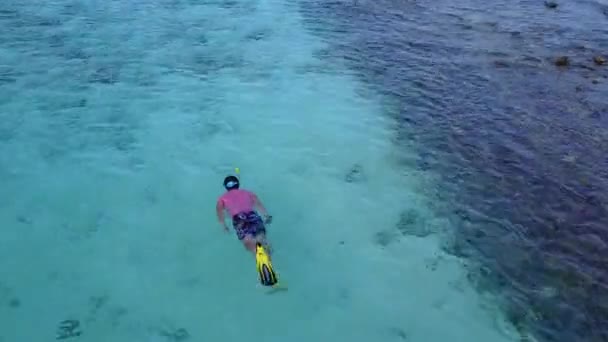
(109, 188)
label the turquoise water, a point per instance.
(119, 121)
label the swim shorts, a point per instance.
(249, 223)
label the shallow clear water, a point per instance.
(119, 122)
(420, 191)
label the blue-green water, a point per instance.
(381, 137)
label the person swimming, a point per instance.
(241, 205)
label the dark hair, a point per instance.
(231, 179)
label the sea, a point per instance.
(436, 170)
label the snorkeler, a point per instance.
(249, 226)
(241, 205)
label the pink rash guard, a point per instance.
(238, 201)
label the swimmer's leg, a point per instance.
(250, 243)
(261, 238)
(257, 230)
(253, 232)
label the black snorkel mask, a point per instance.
(231, 183)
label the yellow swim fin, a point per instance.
(267, 275)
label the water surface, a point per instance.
(120, 121)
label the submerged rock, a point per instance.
(551, 4)
(399, 333)
(14, 303)
(501, 64)
(24, 219)
(229, 4)
(258, 34)
(410, 223)
(599, 60)
(175, 335)
(68, 328)
(431, 264)
(104, 75)
(355, 174)
(384, 238)
(562, 61)
(97, 302)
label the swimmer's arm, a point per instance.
(259, 205)
(219, 209)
